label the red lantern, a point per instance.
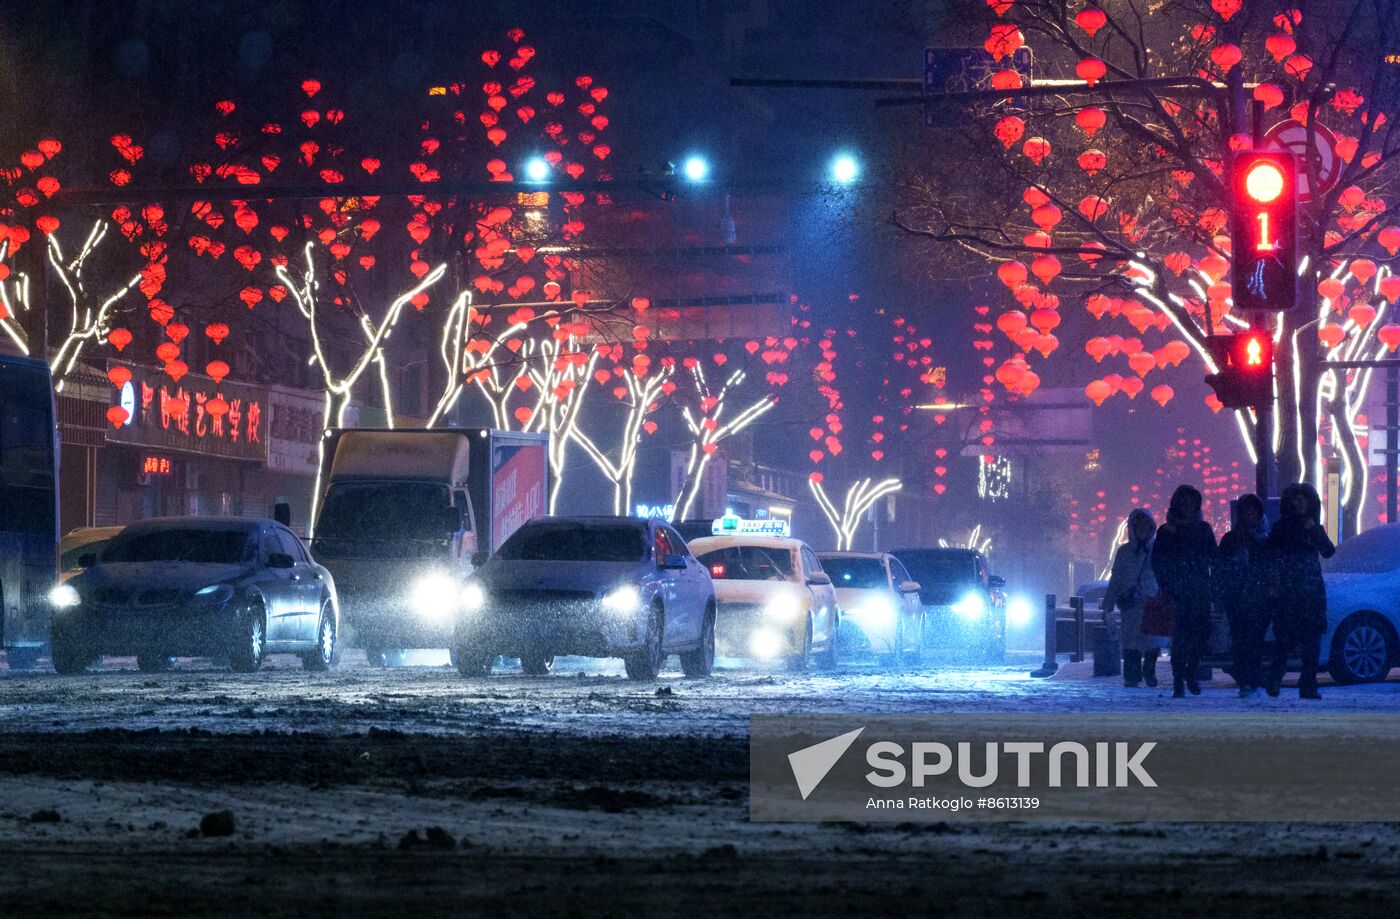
(1091, 70)
(176, 331)
(1162, 394)
(1098, 391)
(1012, 274)
(217, 369)
(1389, 334)
(216, 407)
(1090, 19)
(1363, 269)
(1091, 161)
(167, 351)
(117, 416)
(217, 332)
(1090, 119)
(119, 376)
(1036, 149)
(119, 338)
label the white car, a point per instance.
(775, 601)
(1363, 606)
(880, 607)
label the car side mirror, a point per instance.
(672, 563)
(282, 513)
(910, 587)
(996, 582)
(87, 560)
(819, 579)
(452, 518)
(280, 560)
(480, 558)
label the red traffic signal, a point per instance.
(1263, 231)
(1246, 362)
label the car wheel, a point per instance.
(325, 655)
(798, 662)
(154, 663)
(472, 662)
(645, 663)
(536, 663)
(701, 661)
(68, 655)
(827, 659)
(1362, 651)
(249, 640)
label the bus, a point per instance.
(28, 507)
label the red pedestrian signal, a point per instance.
(1246, 362)
(1263, 230)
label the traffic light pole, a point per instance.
(1391, 367)
(1263, 434)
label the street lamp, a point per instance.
(696, 168)
(536, 169)
(845, 168)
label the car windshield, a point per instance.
(383, 510)
(574, 541)
(939, 567)
(864, 573)
(748, 563)
(213, 547)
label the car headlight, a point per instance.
(473, 597)
(214, 593)
(622, 600)
(1019, 611)
(64, 596)
(435, 597)
(879, 611)
(971, 606)
(765, 644)
(783, 606)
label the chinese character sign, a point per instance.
(194, 415)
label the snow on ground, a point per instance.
(583, 792)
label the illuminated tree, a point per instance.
(704, 417)
(641, 392)
(338, 383)
(860, 497)
(1127, 186)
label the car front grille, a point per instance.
(540, 603)
(163, 596)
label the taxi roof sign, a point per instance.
(731, 524)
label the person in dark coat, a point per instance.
(1298, 543)
(1182, 558)
(1243, 583)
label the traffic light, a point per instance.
(1246, 362)
(1263, 231)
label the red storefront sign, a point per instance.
(194, 415)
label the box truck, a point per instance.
(404, 516)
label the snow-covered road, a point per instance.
(582, 792)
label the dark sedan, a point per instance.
(229, 588)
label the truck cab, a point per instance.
(406, 515)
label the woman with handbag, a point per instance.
(1129, 587)
(1182, 556)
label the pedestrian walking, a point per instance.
(1298, 543)
(1182, 558)
(1243, 588)
(1129, 586)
